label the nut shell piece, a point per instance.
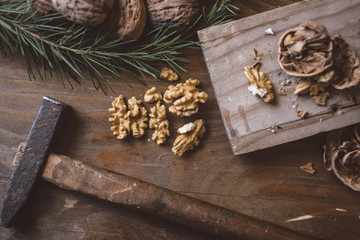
(187, 141)
(305, 51)
(128, 119)
(84, 12)
(185, 97)
(347, 63)
(170, 12)
(332, 142)
(152, 95)
(346, 164)
(159, 122)
(128, 18)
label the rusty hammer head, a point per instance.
(32, 157)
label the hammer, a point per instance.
(36, 159)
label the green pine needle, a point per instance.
(52, 45)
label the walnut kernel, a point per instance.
(259, 83)
(185, 97)
(152, 95)
(187, 141)
(159, 122)
(169, 74)
(128, 119)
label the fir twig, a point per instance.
(51, 44)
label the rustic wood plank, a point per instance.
(229, 48)
(266, 184)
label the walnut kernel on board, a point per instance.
(159, 122)
(152, 95)
(185, 98)
(169, 74)
(187, 141)
(259, 83)
(128, 119)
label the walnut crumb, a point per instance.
(302, 113)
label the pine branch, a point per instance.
(53, 45)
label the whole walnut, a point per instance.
(84, 12)
(128, 18)
(43, 7)
(169, 12)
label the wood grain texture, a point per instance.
(230, 47)
(266, 184)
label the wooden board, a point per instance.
(230, 47)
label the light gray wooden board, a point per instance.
(230, 47)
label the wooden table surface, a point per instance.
(266, 184)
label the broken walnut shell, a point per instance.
(346, 63)
(181, 13)
(332, 142)
(128, 18)
(346, 164)
(305, 51)
(84, 12)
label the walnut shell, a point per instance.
(43, 7)
(84, 12)
(305, 51)
(128, 18)
(169, 12)
(346, 63)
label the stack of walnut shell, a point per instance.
(127, 18)
(185, 99)
(320, 61)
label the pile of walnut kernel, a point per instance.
(126, 18)
(185, 99)
(319, 60)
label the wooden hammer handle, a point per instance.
(125, 190)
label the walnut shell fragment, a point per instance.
(346, 63)
(84, 12)
(308, 168)
(321, 98)
(185, 98)
(127, 119)
(346, 164)
(128, 18)
(187, 141)
(181, 13)
(332, 142)
(259, 83)
(344, 158)
(159, 122)
(305, 51)
(152, 95)
(169, 74)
